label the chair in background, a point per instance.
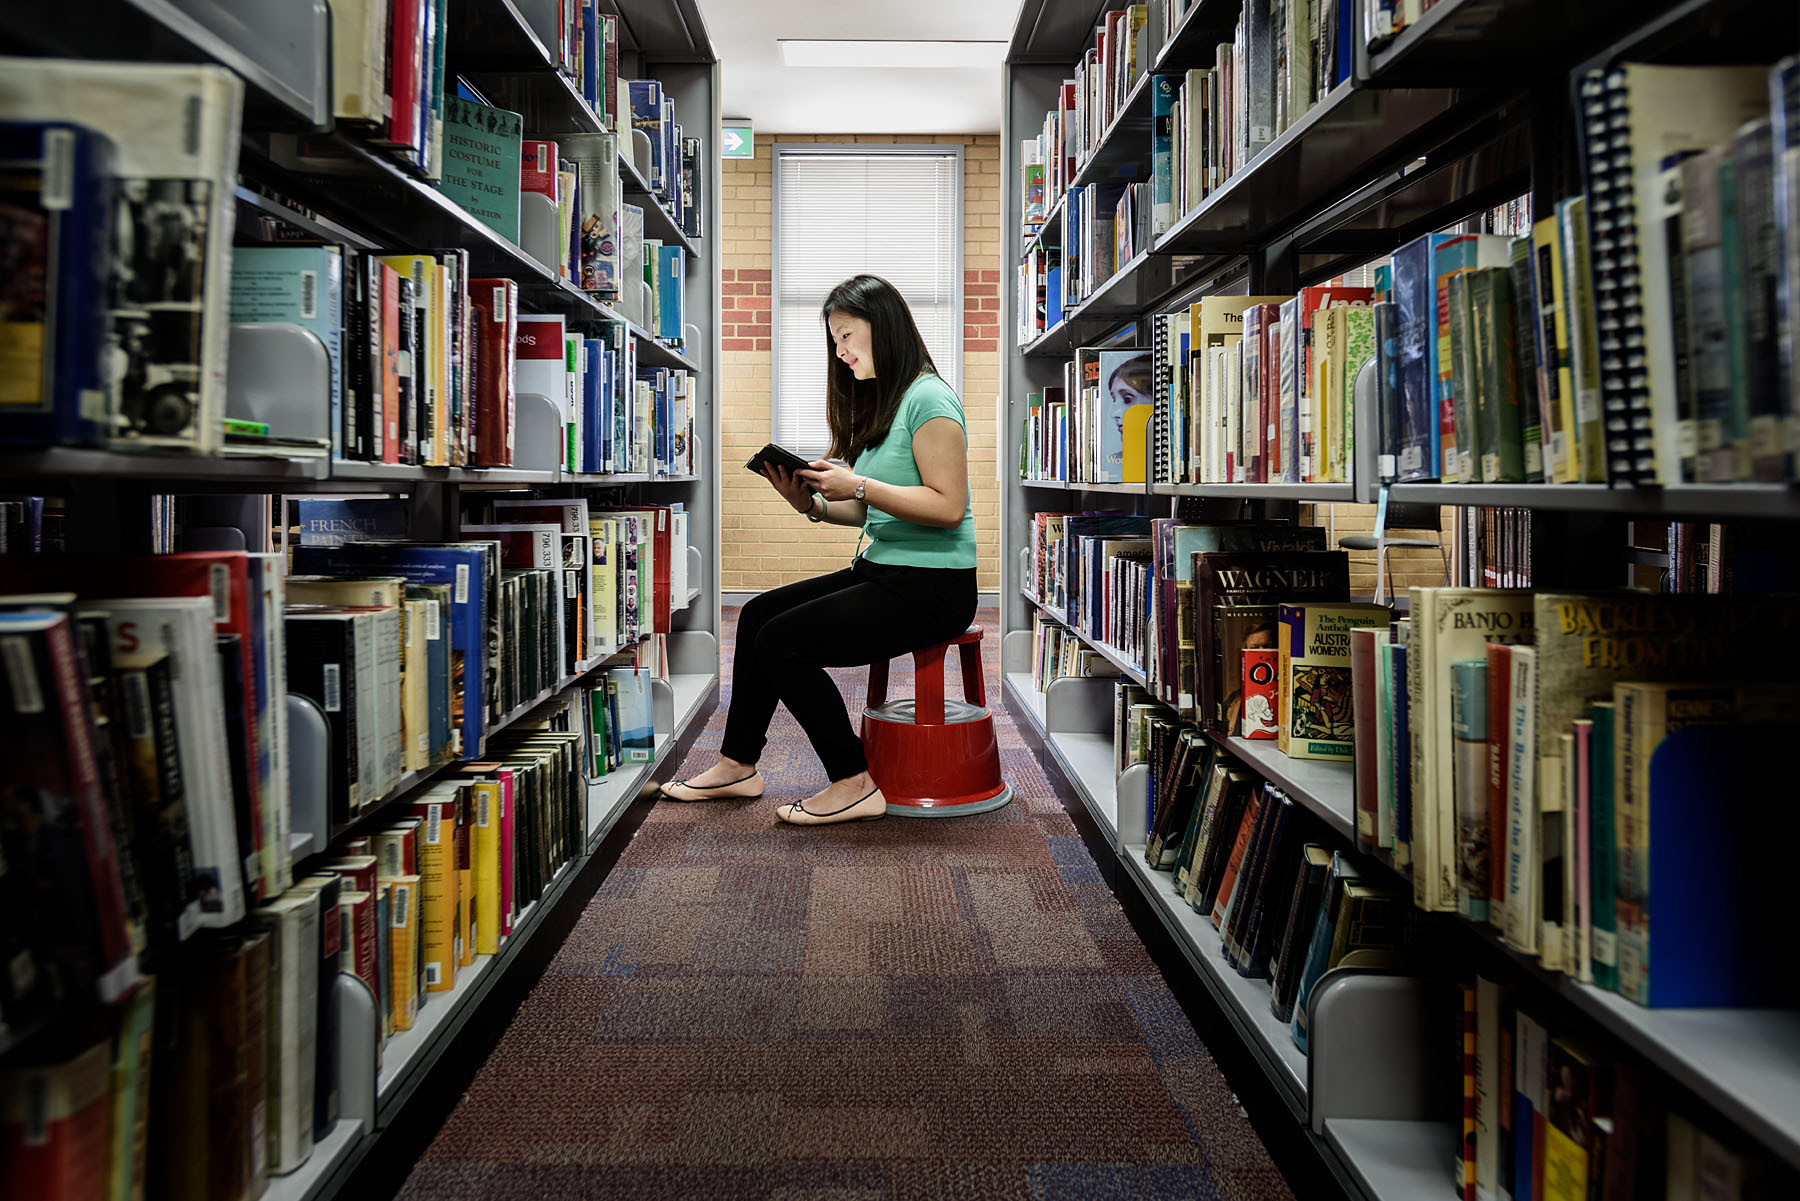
(1416, 520)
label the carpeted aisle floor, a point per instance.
(914, 1010)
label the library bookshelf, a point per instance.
(113, 500)
(1471, 106)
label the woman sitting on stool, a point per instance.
(901, 427)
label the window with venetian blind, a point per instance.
(892, 211)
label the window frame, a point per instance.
(952, 151)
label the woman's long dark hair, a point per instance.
(859, 412)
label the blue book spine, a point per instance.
(1346, 21)
(357, 519)
(1318, 953)
(299, 285)
(1415, 311)
(1162, 172)
(594, 426)
(669, 261)
(1053, 300)
(590, 54)
(56, 183)
(646, 114)
(630, 688)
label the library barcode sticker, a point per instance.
(499, 304)
(137, 704)
(461, 594)
(434, 824)
(402, 897)
(481, 809)
(309, 295)
(332, 686)
(59, 169)
(434, 971)
(433, 621)
(219, 579)
(21, 674)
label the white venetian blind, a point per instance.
(892, 213)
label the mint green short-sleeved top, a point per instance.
(891, 461)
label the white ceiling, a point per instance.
(776, 98)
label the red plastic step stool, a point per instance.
(931, 757)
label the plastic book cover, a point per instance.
(175, 132)
(481, 163)
(629, 688)
(56, 191)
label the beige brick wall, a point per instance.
(764, 543)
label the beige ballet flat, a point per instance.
(681, 790)
(871, 806)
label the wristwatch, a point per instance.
(862, 484)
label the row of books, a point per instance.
(1125, 42)
(1207, 124)
(127, 254)
(1094, 426)
(221, 1068)
(1537, 1111)
(1209, 594)
(1547, 1112)
(411, 651)
(1287, 909)
(391, 84)
(1550, 763)
(1543, 712)
(628, 566)
(1057, 652)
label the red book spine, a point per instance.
(365, 947)
(1499, 748)
(406, 67)
(660, 585)
(496, 306)
(83, 783)
(537, 168)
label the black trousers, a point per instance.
(787, 637)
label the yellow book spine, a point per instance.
(486, 866)
(438, 896)
(414, 687)
(1564, 467)
(403, 940)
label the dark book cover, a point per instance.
(321, 666)
(1235, 599)
(330, 888)
(54, 830)
(1308, 887)
(1267, 915)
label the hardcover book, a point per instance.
(1236, 595)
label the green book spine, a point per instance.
(1496, 367)
(1463, 379)
(1604, 953)
(1531, 425)
(1359, 348)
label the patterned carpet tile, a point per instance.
(901, 1010)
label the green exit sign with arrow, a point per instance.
(735, 142)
